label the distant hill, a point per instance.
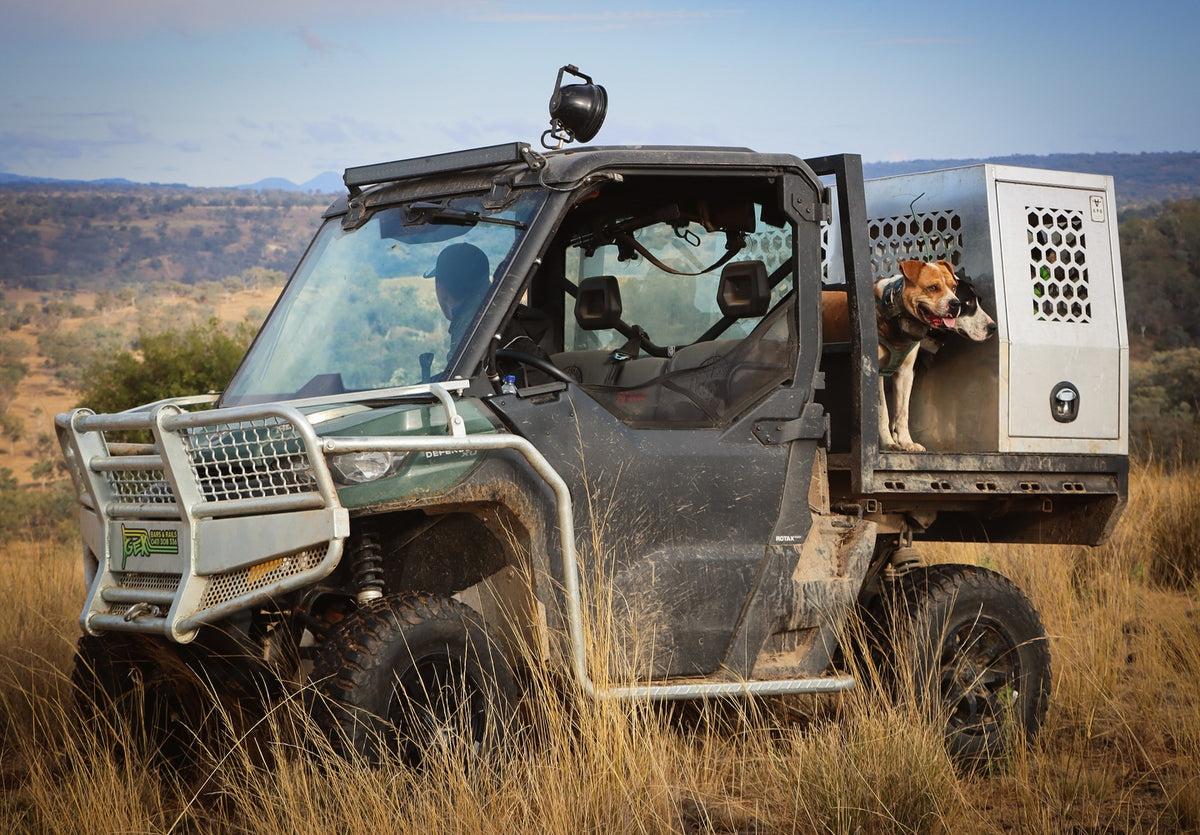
(1140, 179)
(329, 182)
(61, 235)
(112, 233)
(7, 179)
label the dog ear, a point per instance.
(948, 267)
(911, 269)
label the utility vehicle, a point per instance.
(506, 384)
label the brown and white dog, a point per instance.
(908, 307)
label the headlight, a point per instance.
(361, 467)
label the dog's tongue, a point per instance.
(946, 322)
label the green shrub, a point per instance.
(169, 363)
(37, 513)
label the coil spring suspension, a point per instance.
(366, 563)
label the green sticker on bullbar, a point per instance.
(145, 542)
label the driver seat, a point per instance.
(598, 303)
(598, 307)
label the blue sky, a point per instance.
(224, 92)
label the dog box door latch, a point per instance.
(1064, 402)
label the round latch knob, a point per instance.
(1064, 402)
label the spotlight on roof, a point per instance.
(576, 110)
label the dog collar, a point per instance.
(889, 301)
(892, 333)
(890, 306)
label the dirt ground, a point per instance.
(40, 396)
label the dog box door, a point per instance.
(1065, 317)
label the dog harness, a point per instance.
(890, 325)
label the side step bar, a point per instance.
(730, 689)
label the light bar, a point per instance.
(404, 169)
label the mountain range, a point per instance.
(1140, 178)
(329, 182)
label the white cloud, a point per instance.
(314, 41)
(629, 18)
(92, 20)
(329, 131)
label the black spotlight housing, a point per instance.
(576, 110)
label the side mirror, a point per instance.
(576, 110)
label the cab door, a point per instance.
(684, 436)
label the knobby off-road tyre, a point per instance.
(968, 645)
(180, 706)
(139, 697)
(410, 674)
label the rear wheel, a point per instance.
(970, 647)
(410, 674)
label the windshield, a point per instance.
(384, 305)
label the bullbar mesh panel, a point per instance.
(146, 581)
(249, 460)
(142, 581)
(136, 486)
(225, 587)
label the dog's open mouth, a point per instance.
(934, 321)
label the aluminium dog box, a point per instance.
(1041, 247)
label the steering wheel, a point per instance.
(537, 362)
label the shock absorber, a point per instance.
(366, 565)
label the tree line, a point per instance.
(1160, 263)
(96, 237)
(123, 242)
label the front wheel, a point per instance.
(970, 647)
(409, 674)
(181, 705)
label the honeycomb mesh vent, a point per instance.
(826, 253)
(1058, 265)
(926, 236)
(769, 245)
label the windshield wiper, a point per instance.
(420, 213)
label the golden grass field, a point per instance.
(1119, 752)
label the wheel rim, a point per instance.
(437, 705)
(978, 680)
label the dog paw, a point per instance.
(913, 446)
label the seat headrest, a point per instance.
(744, 290)
(598, 303)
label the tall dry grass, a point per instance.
(1119, 749)
(1119, 752)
